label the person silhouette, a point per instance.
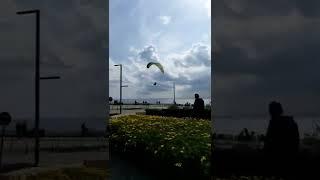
(198, 105)
(282, 133)
(84, 130)
(281, 142)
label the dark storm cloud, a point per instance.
(73, 46)
(266, 51)
(248, 8)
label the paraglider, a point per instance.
(156, 64)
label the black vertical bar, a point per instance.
(1, 150)
(174, 93)
(120, 88)
(37, 88)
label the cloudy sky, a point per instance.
(266, 50)
(176, 33)
(73, 46)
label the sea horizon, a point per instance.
(62, 125)
(235, 124)
(163, 100)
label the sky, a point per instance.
(175, 33)
(73, 46)
(265, 51)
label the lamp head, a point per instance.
(28, 12)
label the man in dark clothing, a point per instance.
(282, 134)
(282, 138)
(198, 103)
(198, 106)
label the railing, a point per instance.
(13, 144)
(133, 108)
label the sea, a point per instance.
(234, 125)
(61, 125)
(221, 124)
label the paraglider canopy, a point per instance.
(156, 64)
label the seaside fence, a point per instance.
(26, 145)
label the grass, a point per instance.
(176, 141)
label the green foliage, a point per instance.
(173, 107)
(169, 139)
(179, 113)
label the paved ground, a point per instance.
(21, 151)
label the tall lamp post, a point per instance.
(174, 92)
(121, 86)
(37, 81)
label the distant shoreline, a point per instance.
(166, 101)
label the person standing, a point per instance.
(198, 106)
(282, 134)
(281, 143)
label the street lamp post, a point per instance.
(174, 93)
(37, 81)
(121, 86)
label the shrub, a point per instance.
(206, 114)
(173, 107)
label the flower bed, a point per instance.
(172, 142)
